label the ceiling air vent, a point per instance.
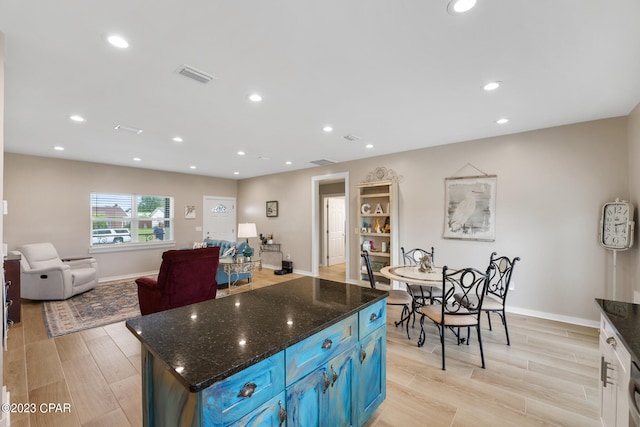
(323, 162)
(129, 129)
(350, 137)
(195, 74)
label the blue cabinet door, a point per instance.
(270, 414)
(326, 396)
(371, 366)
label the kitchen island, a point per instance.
(303, 352)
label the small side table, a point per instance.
(271, 247)
(238, 266)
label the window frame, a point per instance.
(133, 219)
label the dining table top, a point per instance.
(411, 274)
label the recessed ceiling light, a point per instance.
(177, 139)
(287, 162)
(118, 41)
(460, 6)
(58, 148)
(192, 167)
(241, 153)
(76, 118)
(502, 121)
(136, 159)
(492, 85)
(236, 173)
(327, 129)
(255, 97)
(369, 146)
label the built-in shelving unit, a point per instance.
(378, 225)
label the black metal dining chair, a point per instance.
(462, 296)
(396, 296)
(500, 273)
(421, 293)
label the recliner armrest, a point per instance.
(47, 270)
(147, 282)
(88, 262)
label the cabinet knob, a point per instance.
(612, 342)
(282, 414)
(334, 376)
(247, 390)
(326, 381)
(363, 355)
(373, 317)
(327, 344)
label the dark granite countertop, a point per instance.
(215, 339)
(625, 318)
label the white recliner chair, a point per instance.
(44, 276)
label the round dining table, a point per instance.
(412, 275)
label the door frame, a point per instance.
(325, 227)
(315, 221)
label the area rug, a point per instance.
(109, 302)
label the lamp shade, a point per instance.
(247, 229)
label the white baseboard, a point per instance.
(127, 276)
(553, 316)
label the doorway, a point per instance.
(330, 185)
(219, 218)
(333, 231)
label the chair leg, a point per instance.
(442, 343)
(405, 315)
(504, 322)
(480, 342)
(489, 318)
(423, 336)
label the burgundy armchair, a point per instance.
(186, 277)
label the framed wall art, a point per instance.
(272, 208)
(190, 212)
(470, 208)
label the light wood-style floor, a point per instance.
(548, 376)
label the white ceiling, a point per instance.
(400, 75)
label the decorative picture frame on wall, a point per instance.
(272, 208)
(189, 212)
(470, 208)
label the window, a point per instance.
(121, 219)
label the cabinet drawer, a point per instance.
(609, 338)
(308, 354)
(371, 318)
(236, 396)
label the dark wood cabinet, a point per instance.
(12, 276)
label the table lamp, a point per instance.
(246, 230)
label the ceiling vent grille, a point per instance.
(323, 162)
(195, 74)
(350, 137)
(129, 129)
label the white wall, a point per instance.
(551, 186)
(634, 189)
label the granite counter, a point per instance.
(206, 342)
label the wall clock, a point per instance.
(616, 225)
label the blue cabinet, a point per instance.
(326, 396)
(371, 366)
